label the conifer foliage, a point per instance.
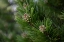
(40, 20)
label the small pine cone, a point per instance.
(24, 35)
(26, 17)
(42, 28)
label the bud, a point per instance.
(26, 17)
(42, 28)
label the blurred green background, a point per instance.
(8, 26)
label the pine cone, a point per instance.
(26, 17)
(42, 28)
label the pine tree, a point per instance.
(40, 20)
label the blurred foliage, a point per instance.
(7, 23)
(42, 20)
(31, 16)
